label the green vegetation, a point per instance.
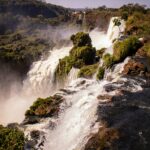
(125, 48)
(88, 71)
(99, 53)
(138, 24)
(147, 48)
(100, 74)
(66, 63)
(108, 60)
(20, 50)
(81, 54)
(45, 107)
(84, 54)
(23, 27)
(11, 139)
(81, 39)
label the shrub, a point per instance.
(100, 74)
(108, 60)
(125, 48)
(124, 15)
(11, 139)
(81, 39)
(88, 71)
(80, 55)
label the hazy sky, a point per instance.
(96, 3)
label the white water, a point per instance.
(77, 119)
(104, 40)
(41, 76)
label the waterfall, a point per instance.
(114, 31)
(101, 39)
(40, 78)
(39, 83)
(77, 119)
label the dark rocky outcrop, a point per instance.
(125, 122)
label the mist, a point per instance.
(16, 91)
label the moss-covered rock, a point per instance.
(45, 107)
(81, 54)
(125, 48)
(99, 53)
(81, 39)
(108, 60)
(100, 74)
(11, 139)
(66, 63)
(84, 54)
(147, 48)
(88, 71)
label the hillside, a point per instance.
(22, 23)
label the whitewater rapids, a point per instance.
(77, 119)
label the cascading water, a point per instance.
(41, 76)
(77, 118)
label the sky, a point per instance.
(96, 3)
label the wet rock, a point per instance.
(140, 53)
(13, 125)
(68, 92)
(35, 134)
(81, 83)
(134, 68)
(126, 120)
(36, 140)
(105, 97)
(31, 120)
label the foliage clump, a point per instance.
(84, 54)
(45, 107)
(108, 60)
(11, 139)
(81, 54)
(88, 71)
(81, 39)
(138, 24)
(125, 48)
(147, 48)
(100, 74)
(99, 53)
